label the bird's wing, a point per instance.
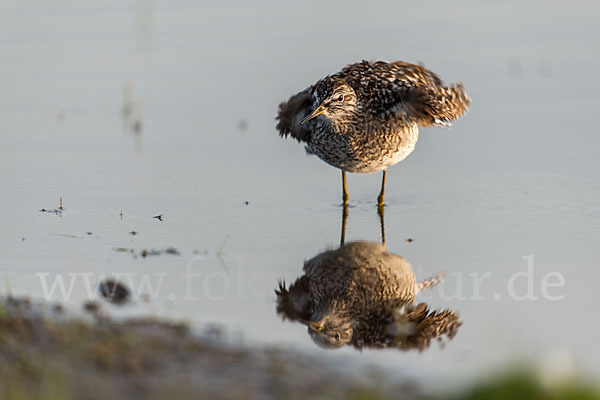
(415, 75)
(417, 94)
(373, 74)
(429, 282)
(431, 105)
(405, 92)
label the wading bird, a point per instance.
(367, 116)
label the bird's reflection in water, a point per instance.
(362, 295)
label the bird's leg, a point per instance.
(382, 192)
(344, 220)
(381, 222)
(345, 196)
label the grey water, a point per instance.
(129, 110)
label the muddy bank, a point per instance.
(47, 354)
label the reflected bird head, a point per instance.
(331, 332)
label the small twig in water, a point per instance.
(219, 253)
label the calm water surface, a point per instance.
(169, 109)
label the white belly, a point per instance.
(404, 150)
(388, 154)
(366, 156)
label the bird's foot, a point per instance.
(345, 200)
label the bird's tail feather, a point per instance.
(436, 105)
(429, 325)
(430, 282)
(293, 302)
(291, 114)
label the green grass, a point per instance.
(523, 385)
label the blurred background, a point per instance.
(129, 110)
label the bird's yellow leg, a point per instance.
(381, 196)
(345, 196)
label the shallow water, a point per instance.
(517, 177)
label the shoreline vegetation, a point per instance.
(48, 354)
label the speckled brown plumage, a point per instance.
(366, 117)
(362, 295)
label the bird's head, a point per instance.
(332, 331)
(334, 100)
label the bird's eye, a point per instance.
(340, 97)
(337, 337)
